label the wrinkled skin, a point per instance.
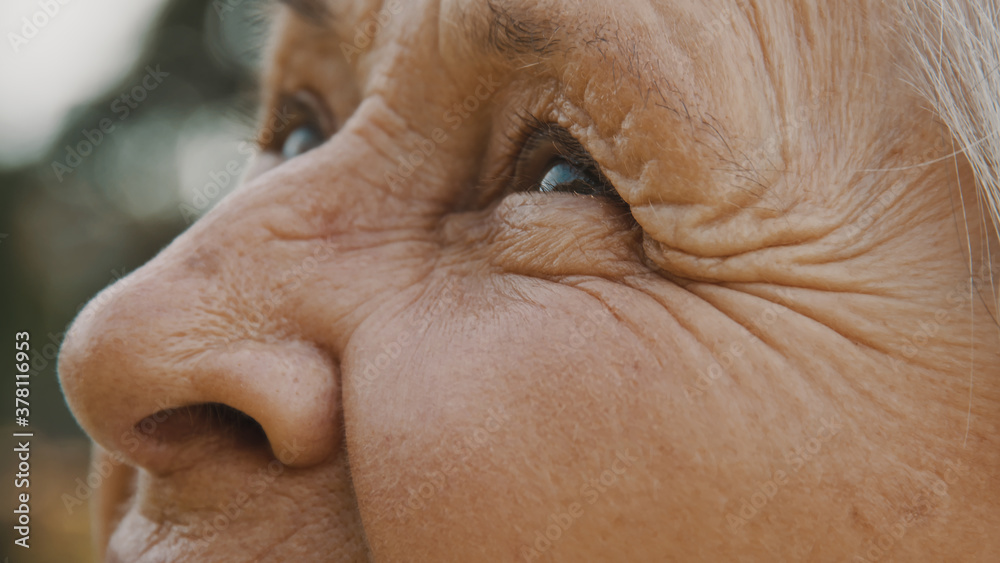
(767, 356)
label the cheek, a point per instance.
(480, 423)
(502, 419)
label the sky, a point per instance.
(56, 55)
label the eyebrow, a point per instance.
(508, 32)
(313, 11)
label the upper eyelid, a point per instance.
(559, 135)
(574, 151)
(302, 102)
(568, 146)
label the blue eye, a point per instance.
(563, 176)
(302, 139)
(550, 160)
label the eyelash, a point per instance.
(530, 134)
(532, 131)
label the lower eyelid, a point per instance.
(563, 234)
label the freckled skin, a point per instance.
(768, 359)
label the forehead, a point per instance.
(513, 28)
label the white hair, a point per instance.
(957, 43)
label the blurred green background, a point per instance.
(102, 163)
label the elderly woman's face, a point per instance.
(512, 280)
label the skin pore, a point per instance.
(740, 327)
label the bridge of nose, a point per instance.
(218, 316)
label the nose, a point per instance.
(229, 340)
(196, 355)
(146, 384)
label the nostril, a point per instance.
(276, 399)
(235, 424)
(186, 434)
(197, 421)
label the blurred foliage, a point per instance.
(63, 240)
